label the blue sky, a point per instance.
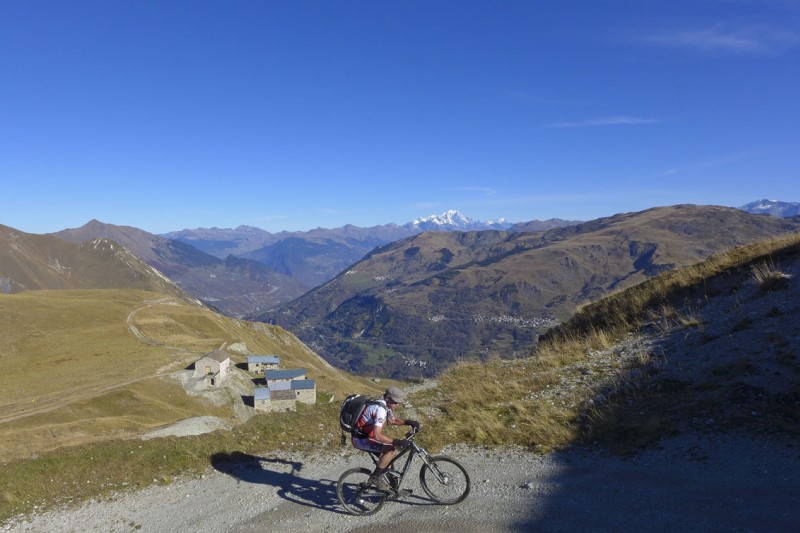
(291, 115)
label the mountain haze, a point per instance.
(418, 305)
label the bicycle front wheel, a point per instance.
(357, 495)
(444, 480)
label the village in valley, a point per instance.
(276, 389)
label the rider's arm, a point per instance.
(377, 434)
(396, 421)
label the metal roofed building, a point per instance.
(262, 363)
(305, 390)
(272, 401)
(284, 375)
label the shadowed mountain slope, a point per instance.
(416, 306)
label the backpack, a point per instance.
(351, 410)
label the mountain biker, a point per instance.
(371, 423)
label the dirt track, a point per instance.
(689, 484)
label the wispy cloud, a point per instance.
(719, 38)
(606, 121)
(732, 158)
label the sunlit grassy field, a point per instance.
(87, 365)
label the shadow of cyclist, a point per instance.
(282, 474)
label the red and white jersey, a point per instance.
(374, 415)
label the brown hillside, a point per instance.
(34, 262)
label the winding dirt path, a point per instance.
(56, 400)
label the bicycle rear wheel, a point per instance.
(357, 495)
(444, 480)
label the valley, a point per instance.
(438, 298)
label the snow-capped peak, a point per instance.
(772, 207)
(448, 218)
(453, 220)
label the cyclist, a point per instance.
(371, 423)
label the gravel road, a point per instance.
(690, 483)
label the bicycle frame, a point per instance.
(411, 451)
(360, 496)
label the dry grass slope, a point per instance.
(88, 365)
(710, 347)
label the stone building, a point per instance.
(271, 401)
(262, 363)
(285, 388)
(303, 390)
(272, 376)
(213, 367)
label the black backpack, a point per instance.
(351, 410)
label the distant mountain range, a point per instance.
(246, 271)
(773, 207)
(250, 240)
(415, 306)
(400, 300)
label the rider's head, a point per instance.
(393, 395)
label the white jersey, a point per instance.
(374, 415)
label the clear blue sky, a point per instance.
(298, 114)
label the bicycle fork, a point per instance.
(440, 476)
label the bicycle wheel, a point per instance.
(357, 495)
(445, 480)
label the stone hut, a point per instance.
(261, 363)
(271, 401)
(285, 388)
(303, 390)
(272, 376)
(213, 367)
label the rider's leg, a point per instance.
(388, 453)
(387, 457)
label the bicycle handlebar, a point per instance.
(413, 431)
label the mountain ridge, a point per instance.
(413, 307)
(33, 262)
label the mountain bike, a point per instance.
(441, 477)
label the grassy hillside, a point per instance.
(713, 347)
(32, 262)
(86, 365)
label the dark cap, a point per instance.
(395, 394)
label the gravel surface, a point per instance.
(689, 483)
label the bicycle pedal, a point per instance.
(400, 494)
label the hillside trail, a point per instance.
(63, 397)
